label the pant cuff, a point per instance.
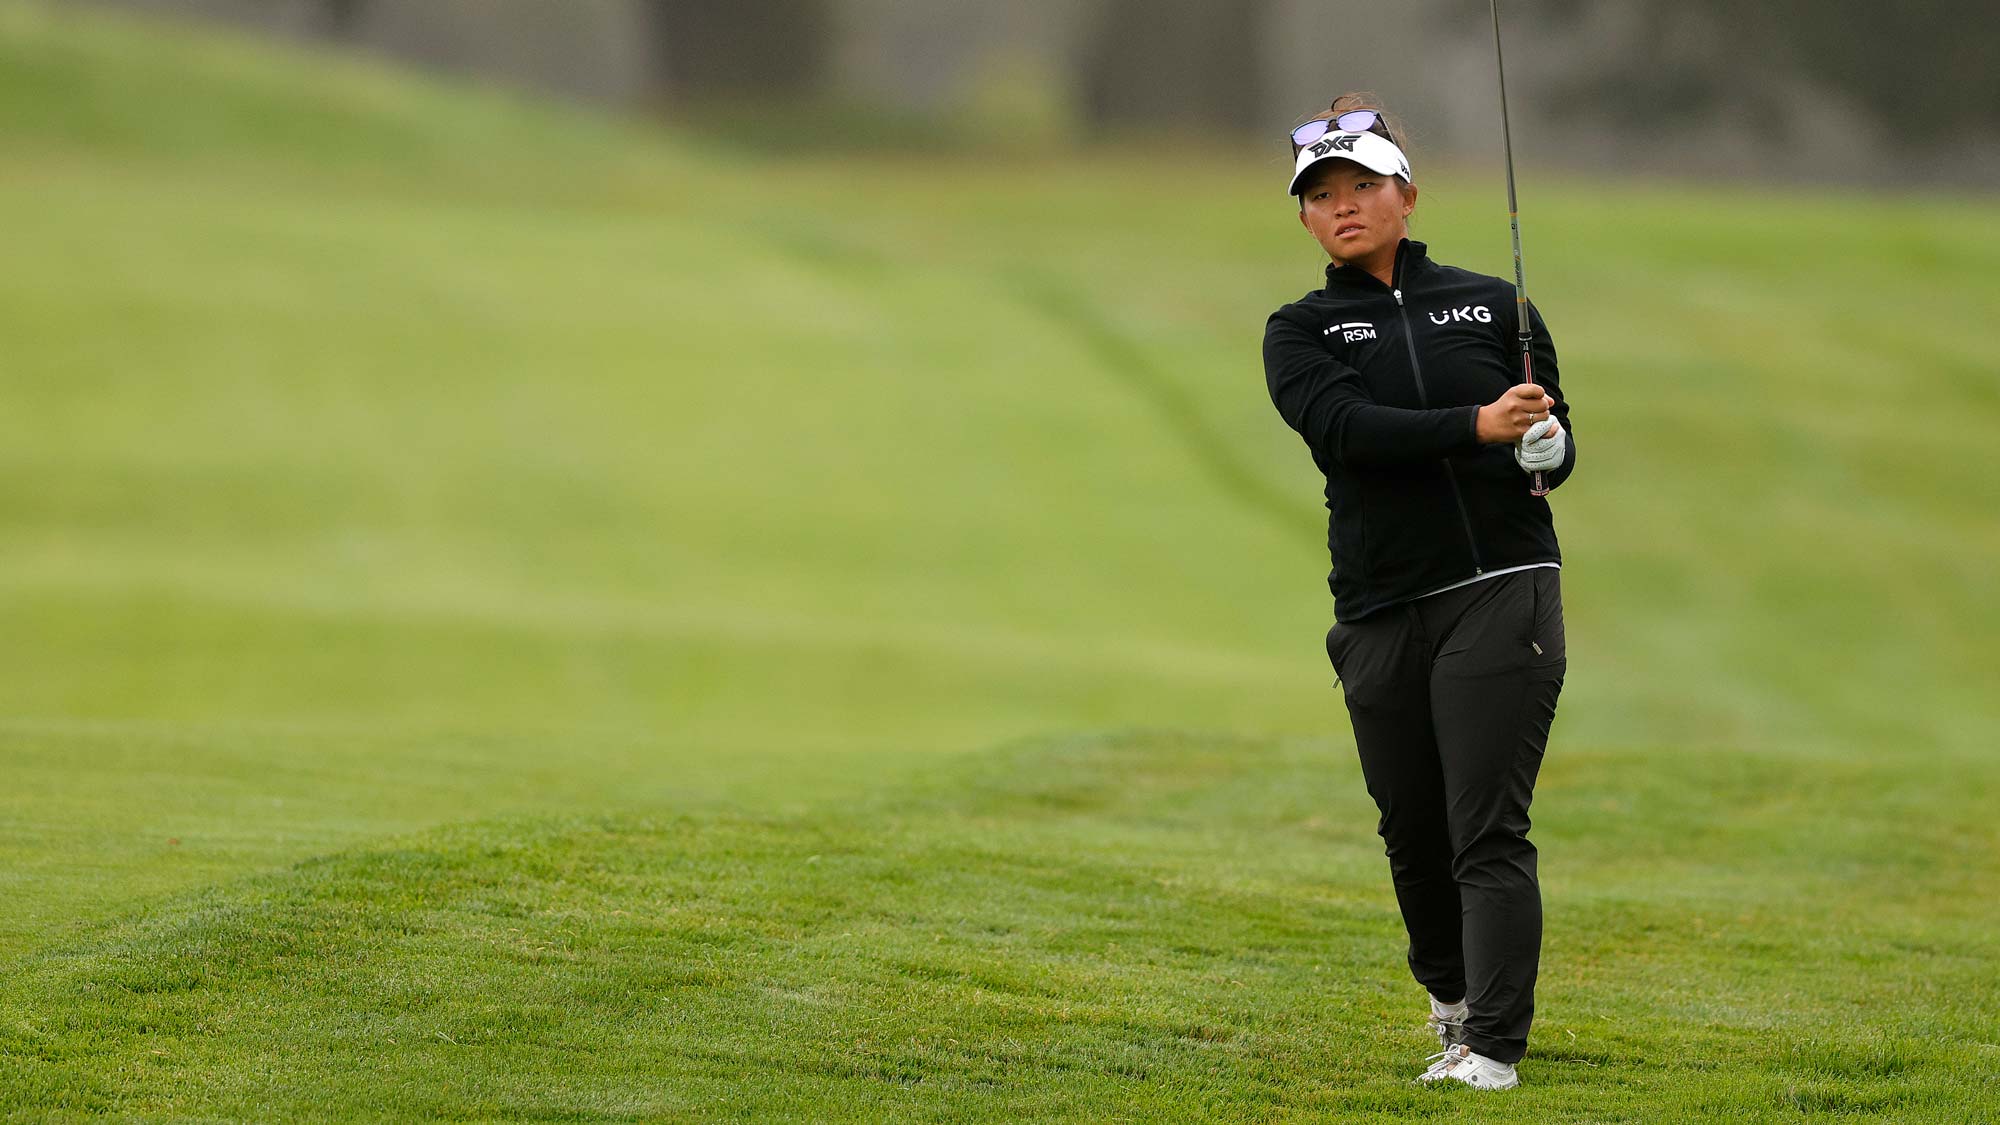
(1499, 1050)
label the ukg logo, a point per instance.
(1480, 313)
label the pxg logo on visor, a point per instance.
(1370, 150)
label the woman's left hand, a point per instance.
(1542, 448)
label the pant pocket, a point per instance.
(1533, 619)
(1379, 662)
(1336, 643)
(1547, 646)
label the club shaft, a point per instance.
(1513, 205)
(1525, 334)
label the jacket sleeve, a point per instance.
(1543, 349)
(1324, 400)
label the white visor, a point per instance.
(1370, 150)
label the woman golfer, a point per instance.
(1403, 376)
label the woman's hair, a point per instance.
(1388, 125)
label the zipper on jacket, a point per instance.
(1417, 371)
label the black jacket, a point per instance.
(1384, 383)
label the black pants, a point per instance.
(1452, 696)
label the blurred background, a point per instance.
(1772, 91)
(419, 410)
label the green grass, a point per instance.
(436, 524)
(1135, 927)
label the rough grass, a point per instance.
(434, 524)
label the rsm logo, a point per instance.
(1480, 313)
(1349, 333)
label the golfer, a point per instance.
(1403, 376)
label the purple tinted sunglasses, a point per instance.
(1353, 121)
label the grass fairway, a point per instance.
(1139, 927)
(514, 616)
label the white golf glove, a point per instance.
(1542, 447)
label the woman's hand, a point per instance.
(1543, 448)
(1507, 418)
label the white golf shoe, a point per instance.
(1463, 1064)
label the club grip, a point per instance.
(1539, 486)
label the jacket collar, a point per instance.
(1411, 257)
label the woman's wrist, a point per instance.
(1484, 426)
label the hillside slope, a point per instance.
(382, 453)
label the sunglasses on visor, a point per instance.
(1353, 121)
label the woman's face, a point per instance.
(1356, 214)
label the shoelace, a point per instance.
(1442, 1061)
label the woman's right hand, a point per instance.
(1508, 417)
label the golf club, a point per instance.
(1540, 485)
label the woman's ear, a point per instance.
(1303, 221)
